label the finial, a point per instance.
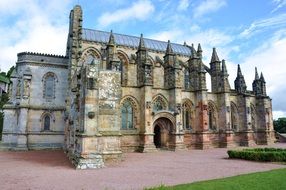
(214, 56)
(262, 77)
(199, 48)
(111, 38)
(239, 71)
(169, 48)
(224, 70)
(256, 74)
(141, 42)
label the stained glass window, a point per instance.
(47, 122)
(127, 116)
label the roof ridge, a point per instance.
(135, 37)
(41, 54)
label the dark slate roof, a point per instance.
(133, 41)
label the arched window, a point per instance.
(187, 115)
(212, 117)
(159, 104)
(234, 117)
(49, 85)
(47, 123)
(253, 117)
(127, 115)
(186, 79)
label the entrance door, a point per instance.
(162, 133)
(157, 136)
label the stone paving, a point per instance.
(52, 170)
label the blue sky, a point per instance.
(247, 32)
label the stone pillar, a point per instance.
(246, 136)
(225, 132)
(22, 143)
(147, 128)
(202, 123)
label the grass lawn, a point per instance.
(271, 180)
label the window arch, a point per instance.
(49, 81)
(159, 103)
(234, 117)
(127, 115)
(47, 120)
(47, 123)
(253, 117)
(186, 79)
(187, 114)
(212, 116)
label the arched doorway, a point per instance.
(163, 129)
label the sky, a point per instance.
(251, 33)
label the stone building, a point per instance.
(113, 93)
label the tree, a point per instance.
(280, 125)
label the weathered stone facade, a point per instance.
(114, 93)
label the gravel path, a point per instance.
(52, 170)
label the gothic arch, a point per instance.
(47, 118)
(253, 114)
(234, 117)
(123, 57)
(49, 85)
(135, 110)
(165, 114)
(159, 102)
(91, 51)
(188, 114)
(151, 60)
(213, 116)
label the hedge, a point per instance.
(259, 154)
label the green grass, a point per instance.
(271, 180)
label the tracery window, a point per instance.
(127, 115)
(159, 104)
(234, 117)
(187, 116)
(253, 117)
(49, 85)
(47, 123)
(212, 117)
(186, 79)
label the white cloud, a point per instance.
(265, 24)
(208, 6)
(269, 59)
(183, 5)
(279, 4)
(30, 26)
(278, 114)
(139, 10)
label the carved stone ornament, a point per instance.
(91, 114)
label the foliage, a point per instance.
(280, 125)
(3, 100)
(274, 180)
(259, 154)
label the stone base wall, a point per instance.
(130, 143)
(228, 139)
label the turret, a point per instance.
(215, 71)
(169, 57)
(224, 78)
(199, 51)
(113, 62)
(239, 82)
(263, 85)
(256, 84)
(144, 69)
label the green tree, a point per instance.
(280, 125)
(3, 100)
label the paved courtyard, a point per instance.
(52, 170)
